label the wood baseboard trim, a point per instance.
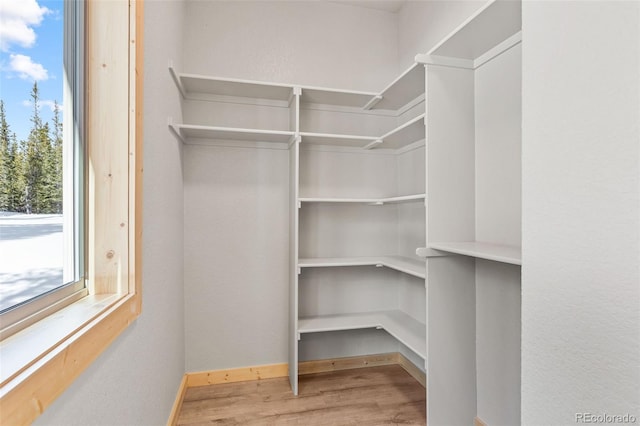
(347, 363)
(411, 368)
(233, 375)
(478, 422)
(177, 404)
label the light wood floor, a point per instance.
(384, 395)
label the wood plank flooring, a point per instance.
(384, 395)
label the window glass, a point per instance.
(41, 172)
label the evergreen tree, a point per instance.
(55, 175)
(5, 161)
(34, 151)
(16, 187)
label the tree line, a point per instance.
(31, 169)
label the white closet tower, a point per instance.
(473, 84)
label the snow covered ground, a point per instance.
(31, 249)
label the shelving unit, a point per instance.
(474, 219)
(347, 150)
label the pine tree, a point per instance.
(17, 182)
(5, 178)
(55, 178)
(33, 150)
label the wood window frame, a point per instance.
(41, 361)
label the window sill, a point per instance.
(41, 361)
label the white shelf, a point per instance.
(375, 201)
(406, 329)
(404, 89)
(414, 267)
(409, 132)
(496, 252)
(310, 138)
(194, 84)
(190, 131)
(326, 96)
(490, 26)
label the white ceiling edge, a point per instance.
(392, 6)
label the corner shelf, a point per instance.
(409, 86)
(403, 327)
(336, 97)
(405, 134)
(336, 140)
(495, 252)
(185, 132)
(407, 265)
(493, 29)
(372, 201)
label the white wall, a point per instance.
(135, 381)
(581, 223)
(301, 42)
(236, 199)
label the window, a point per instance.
(42, 360)
(42, 183)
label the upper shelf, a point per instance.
(409, 86)
(404, 89)
(495, 26)
(495, 252)
(324, 96)
(193, 84)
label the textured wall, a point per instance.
(581, 278)
(134, 382)
(310, 43)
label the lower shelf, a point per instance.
(406, 329)
(403, 264)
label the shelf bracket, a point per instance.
(175, 132)
(295, 139)
(176, 80)
(372, 102)
(297, 91)
(377, 203)
(299, 204)
(299, 336)
(379, 265)
(372, 144)
(378, 327)
(299, 270)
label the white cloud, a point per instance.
(26, 68)
(43, 103)
(17, 17)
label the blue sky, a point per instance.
(31, 48)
